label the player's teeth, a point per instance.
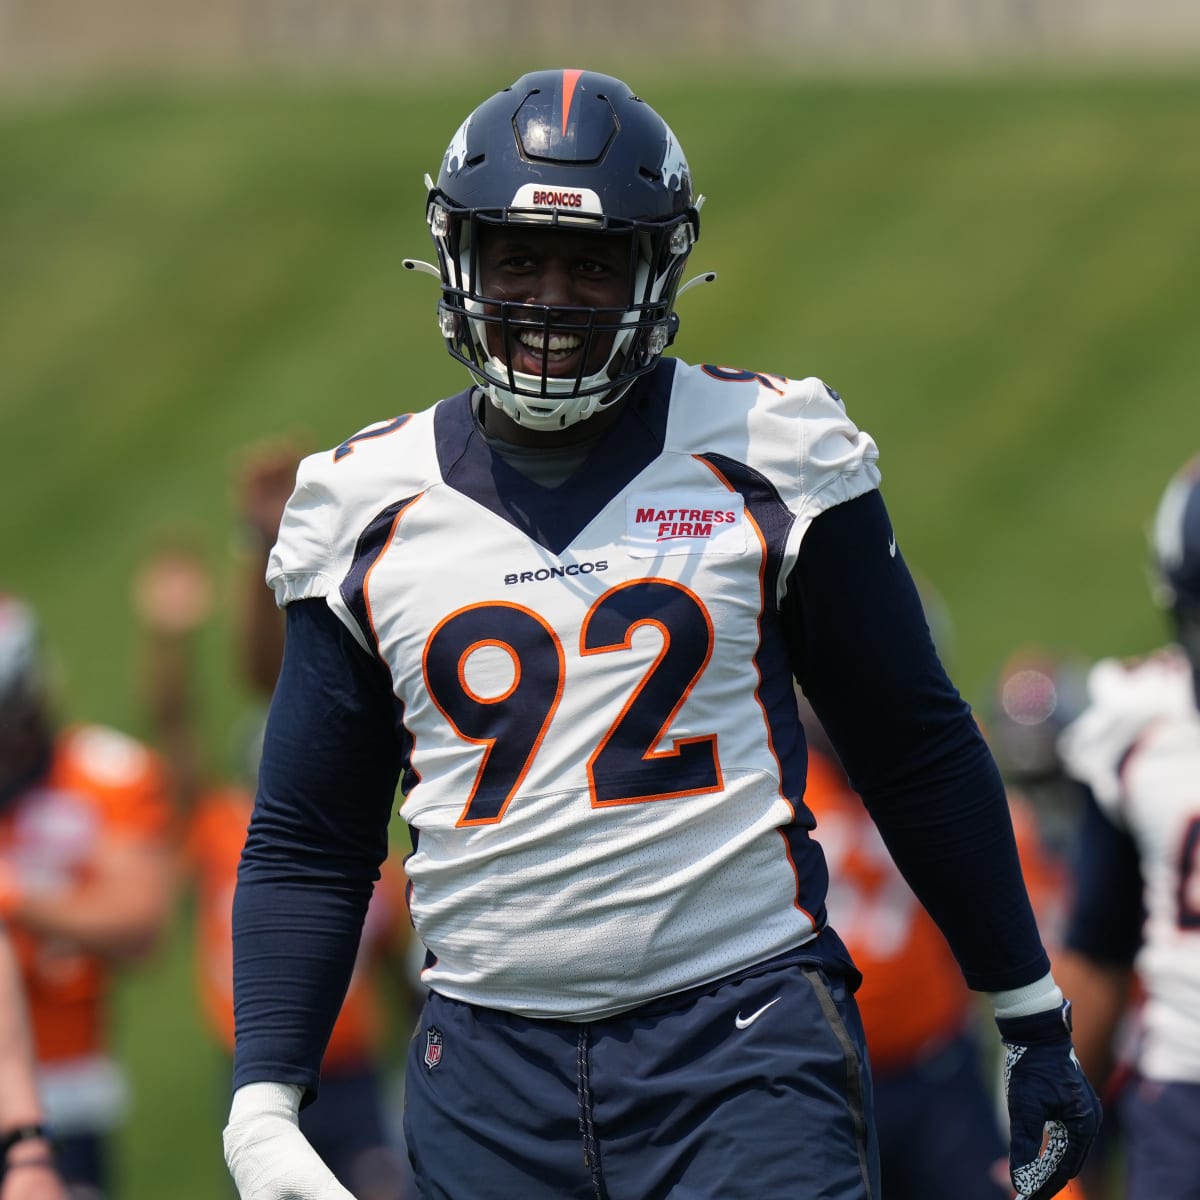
(556, 341)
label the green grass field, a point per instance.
(998, 276)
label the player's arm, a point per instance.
(331, 761)
(263, 480)
(173, 600)
(27, 1171)
(910, 745)
(118, 910)
(866, 661)
(1104, 933)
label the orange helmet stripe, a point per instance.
(570, 79)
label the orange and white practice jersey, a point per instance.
(101, 786)
(1137, 746)
(913, 998)
(543, 880)
(215, 836)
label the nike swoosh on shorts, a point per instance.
(744, 1022)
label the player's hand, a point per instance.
(1053, 1112)
(173, 592)
(267, 1155)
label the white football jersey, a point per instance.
(601, 710)
(1138, 747)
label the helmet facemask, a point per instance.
(639, 329)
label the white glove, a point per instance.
(267, 1155)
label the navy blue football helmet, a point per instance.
(1176, 549)
(24, 726)
(565, 149)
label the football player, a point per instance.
(1136, 919)
(85, 887)
(1038, 692)
(566, 609)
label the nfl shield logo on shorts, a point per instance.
(433, 1047)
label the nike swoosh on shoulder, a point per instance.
(743, 1022)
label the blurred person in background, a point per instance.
(86, 885)
(1037, 694)
(27, 1167)
(941, 1136)
(264, 476)
(935, 1112)
(351, 1126)
(1136, 915)
(497, 601)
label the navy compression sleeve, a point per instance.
(911, 748)
(330, 765)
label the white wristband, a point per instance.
(266, 1100)
(1043, 995)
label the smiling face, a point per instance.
(568, 271)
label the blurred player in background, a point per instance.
(566, 608)
(932, 1059)
(264, 477)
(1038, 693)
(86, 875)
(350, 1127)
(27, 1167)
(939, 1136)
(1136, 917)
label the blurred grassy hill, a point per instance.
(998, 275)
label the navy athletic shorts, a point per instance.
(753, 1087)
